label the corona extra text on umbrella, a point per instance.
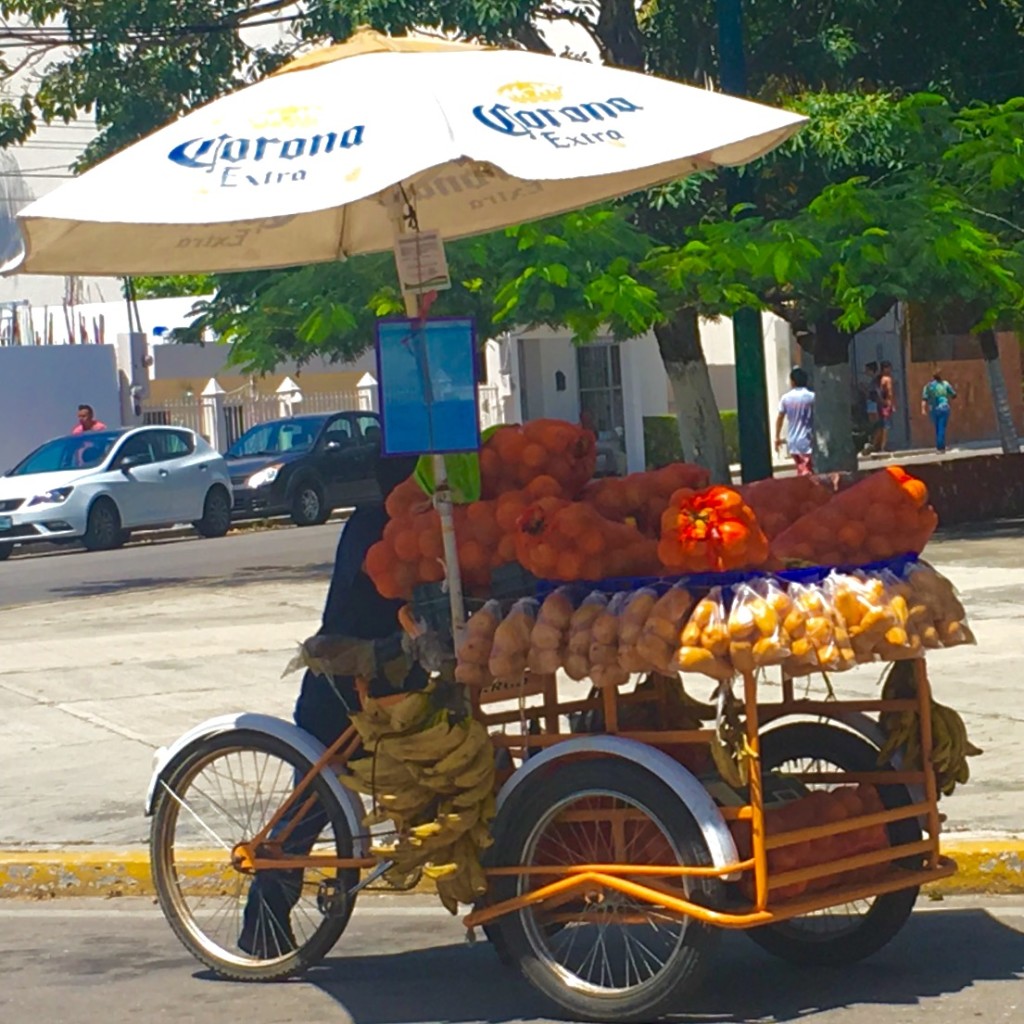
(232, 158)
(539, 122)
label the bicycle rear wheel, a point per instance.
(248, 927)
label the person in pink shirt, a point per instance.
(87, 421)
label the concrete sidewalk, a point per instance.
(90, 687)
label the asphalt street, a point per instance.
(266, 556)
(404, 961)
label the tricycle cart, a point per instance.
(618, 852)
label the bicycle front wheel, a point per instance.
(259, 926)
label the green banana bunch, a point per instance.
(435, 781)
(950, 744)
(950, 748)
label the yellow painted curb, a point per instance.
(46, 874)
(984, 866)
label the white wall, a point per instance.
(42, 387)
(644, 393)
(645, 384)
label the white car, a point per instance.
(99, 486)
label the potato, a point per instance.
(472, 675)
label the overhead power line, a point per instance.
(57, 35)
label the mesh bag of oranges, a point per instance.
(880, 517)
(515, 455)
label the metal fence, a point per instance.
(222, 417)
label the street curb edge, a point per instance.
(991, 866)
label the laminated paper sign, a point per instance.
(428, 388)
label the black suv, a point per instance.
(305, 466)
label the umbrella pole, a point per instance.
(443, 504)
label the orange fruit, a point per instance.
(534, 456)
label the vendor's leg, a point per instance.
(266, 932)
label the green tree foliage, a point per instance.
(874, 179)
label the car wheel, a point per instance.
(5, 551)
(103, 527)
(308, 505)
(216, 519)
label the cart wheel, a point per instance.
(844, 934)
(220, 792)
(596, 967)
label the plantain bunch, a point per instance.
(434, 779)
(950, 745)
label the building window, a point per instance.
(601, 403)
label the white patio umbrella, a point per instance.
(305, 165)
(344, 149)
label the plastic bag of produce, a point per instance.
(903, 639)
(605, 670)
(756, 637)
(818, 638)
(511, 649)
(577, 651)
(704, 641)
(551, 632)
(474, 653)
(639, 606)
(876, 622)
(658, 644)
(936, 608)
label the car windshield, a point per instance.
(78, 451)
(278, 437)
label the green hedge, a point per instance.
(661, 439)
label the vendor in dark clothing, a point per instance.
(355, 610)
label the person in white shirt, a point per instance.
(796, 411)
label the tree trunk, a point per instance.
(834, 449)
(700, 425)
(997, 386)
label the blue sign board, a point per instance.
(426, 370)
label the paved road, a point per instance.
(403, 961)
(89, 687)
(279, 554)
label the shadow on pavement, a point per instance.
(982, 531)
(238, 578)
(939, 953)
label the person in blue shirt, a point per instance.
(935, 399)
(796, 411)
(356, 612)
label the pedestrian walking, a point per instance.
(867, 388)
(796, 411)
(886, 407)
(87, 421)
(935, 399)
